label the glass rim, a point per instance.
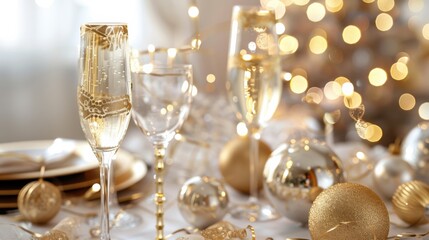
(94, 24)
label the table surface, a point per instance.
(281, 228)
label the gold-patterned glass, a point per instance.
(103, 97)
(254, 88)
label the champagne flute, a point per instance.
(254, 88)
(104, 99)
(161, 102)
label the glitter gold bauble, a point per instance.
(411, 202)
(234, 163)
(39, 201)
(203, 201)
(415, 150)
(348, 211)
(296, 173)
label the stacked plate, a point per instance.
(73, 169)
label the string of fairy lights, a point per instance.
(320, 42)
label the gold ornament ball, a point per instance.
(411, 202)
(348, 211)
(39, 201)
(234, 163)
(203, 201)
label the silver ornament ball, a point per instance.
(390, 172)
(203, 201)
(415, 150)
(296, 173)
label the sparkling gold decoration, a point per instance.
(227, 231)
(411, 202)
(203, 201)
(348, 211)
(102, 107)
(105, 36)
(39, 201)
(234, 163)
(296, 173)
(415, 150)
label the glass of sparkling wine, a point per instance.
(254, 88)
(103, 97)
(161, 96)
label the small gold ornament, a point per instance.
(234, 163)
(39, 201)
(411, 202)
(348, 211)
(203, 201)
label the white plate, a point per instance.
(81, 160)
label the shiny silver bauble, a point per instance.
(296, 173)
(415, 150)
(203, 201)
(389, 173)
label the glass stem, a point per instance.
(105, 165)
(159, 150)
(254, 163)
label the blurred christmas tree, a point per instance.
(366, 55)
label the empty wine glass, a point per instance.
(254, 88)
(161, 97)
(104, 99)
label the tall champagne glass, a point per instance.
(254, 88)
(161, 102)
(104, 99)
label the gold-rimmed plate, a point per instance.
(128, 172)
(80, 160)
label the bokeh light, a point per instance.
(196, 43)
(193, 11)
(287, 76)
(301, 2)
(424, 111)
(347, 89)
(316, 12)
(318, 44)
(288, 44)
(373, 133)
(351, 34)
(332, 90)
(407, 101)
(341, 80)
(314, 95)
(334, 5)
(298, 84)
(377, 77)
(241, 129)
(353, 101)
(384, 22)
(280, 28)
(385, 5)
(415, 5)
(425, 31)
(211, 78)
(399, 71)
(278, 7)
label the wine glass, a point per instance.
(103, 97)
(161, 97)
(254, 88)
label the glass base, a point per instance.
(254, 212)
(119, 219)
